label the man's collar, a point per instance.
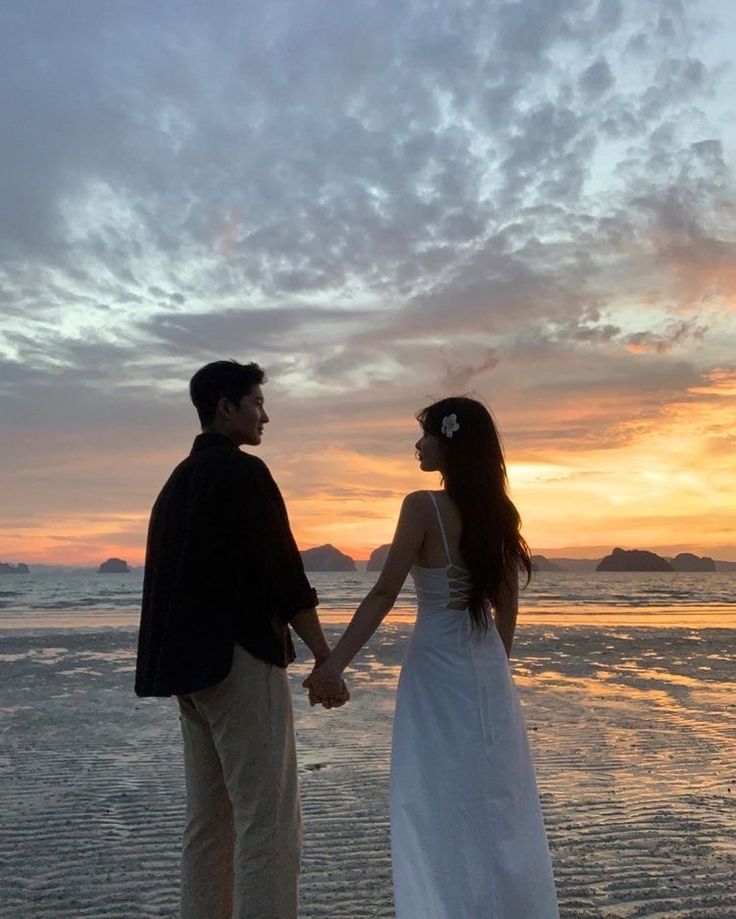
(211, 439)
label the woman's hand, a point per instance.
(326, 685)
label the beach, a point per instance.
(633, 731)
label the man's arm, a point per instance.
(293, 596)
(307, 626)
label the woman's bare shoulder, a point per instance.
(416, 499)
(414, 505)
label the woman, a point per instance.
(467, 835)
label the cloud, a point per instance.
(381, 202)
(596, 79)
(677, 334)
(273, 329)
(458, 377)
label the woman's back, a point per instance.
(441, 581)
(442, 514)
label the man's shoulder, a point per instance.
(214, 475)
(223, 456)
(233, 468)
(254, 462)
(217, 462)
(246, 464)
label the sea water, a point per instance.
(79, 598)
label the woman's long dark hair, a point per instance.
(475, 478)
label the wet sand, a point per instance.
(633, 730)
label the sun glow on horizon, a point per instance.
(669, 481)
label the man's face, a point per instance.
(246, 421)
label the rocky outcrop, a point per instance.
(114, 566)
(327, 558)
(378, 558)
(686, 561)
(633, 560)
(542, 563)
(7, 568)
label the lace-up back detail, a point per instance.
(458, 580)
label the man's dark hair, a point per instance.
(222, 378)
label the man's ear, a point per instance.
(224, 407)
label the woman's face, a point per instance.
(429, 452)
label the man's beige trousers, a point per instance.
(242, 841)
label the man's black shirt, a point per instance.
(222, 567)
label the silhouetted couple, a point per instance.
(224, 584)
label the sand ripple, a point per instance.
(634, 735)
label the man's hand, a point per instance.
(326, 686)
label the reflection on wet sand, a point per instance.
(633, 731)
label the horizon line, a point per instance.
(551, 553)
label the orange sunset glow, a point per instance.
(666, 481)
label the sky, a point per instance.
(382, 203)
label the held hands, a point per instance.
(326, 685)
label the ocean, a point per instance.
(84, 599)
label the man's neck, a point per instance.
(215, 429)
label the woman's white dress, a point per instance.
(467, 835)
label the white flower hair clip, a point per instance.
(450, 424)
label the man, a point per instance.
(223, 582)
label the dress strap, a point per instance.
(442, 528)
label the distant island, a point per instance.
(327, 558)
(20, 568)
(633, 560)
(378, 557)
(686, 561)
(642, 560)
(542, 563)
(114, 566)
